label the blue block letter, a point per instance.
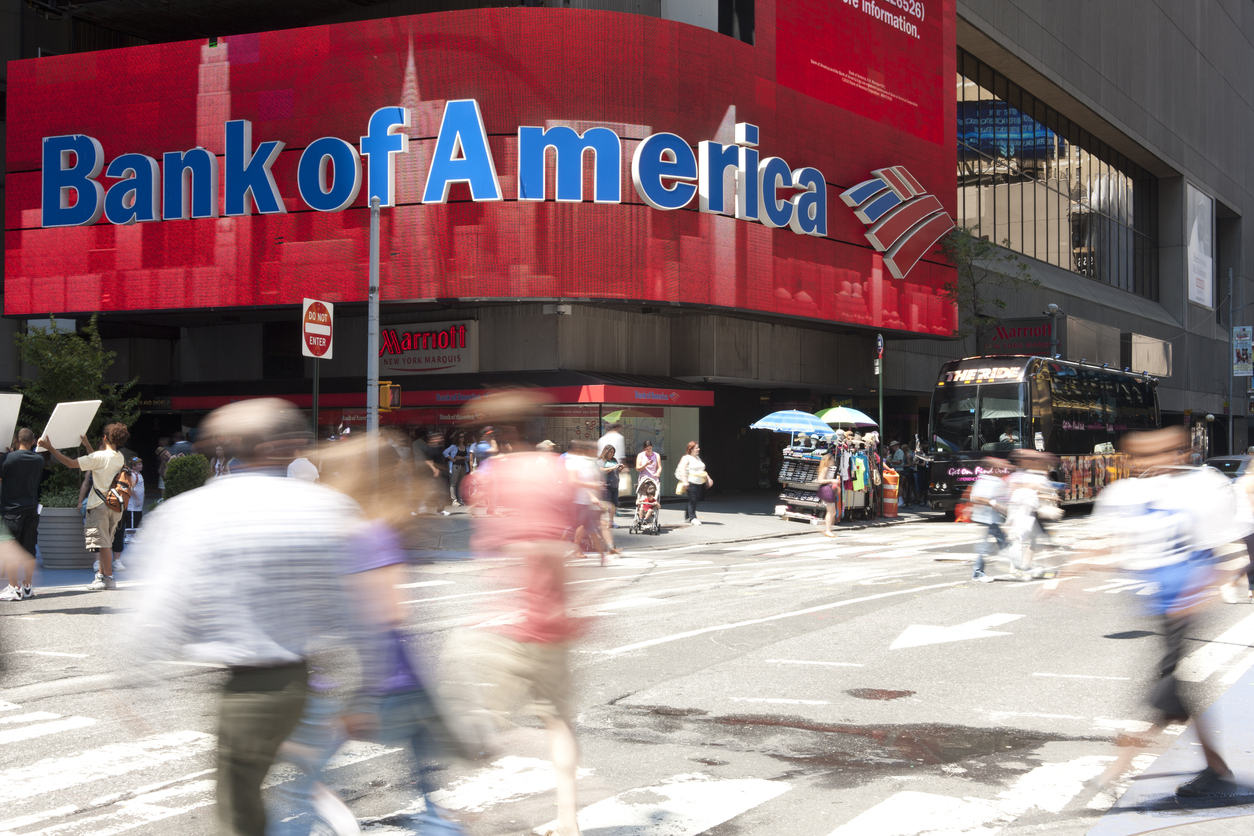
(59, 178)
(773, 173)
(249, 173)
(133, 198)
(345, 181)
(809, 215)
(190, 177)
(569, 149)
(381, 145)
(462, 155)
(659, 158)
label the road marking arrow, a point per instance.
(917, 635)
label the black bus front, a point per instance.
(980, 408)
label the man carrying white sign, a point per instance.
(102, 521)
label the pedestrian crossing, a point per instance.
(123, 786)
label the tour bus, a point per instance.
(984, 406)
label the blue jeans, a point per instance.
(318, 737)
(992, 532)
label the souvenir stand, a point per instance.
(800, 463)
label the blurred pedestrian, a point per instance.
(247, 574)
(135, 507)
(693, 479)
(610, 468)
(523, 654)
(20, 475)
(1166, 525)
(457, 455)
(829, 483)
(430, 470)
(989, 497)
(589, 486)
(393, 702)
(101, 521)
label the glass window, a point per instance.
(953, 418)
(1029, 176)
(1002, 411)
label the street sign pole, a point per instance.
(372, 341)
(879, 367)
(317, 325)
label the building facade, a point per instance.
(680, 214)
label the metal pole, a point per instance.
(372, 339)
(1053, 334)
(1232, 407)
(315, 402)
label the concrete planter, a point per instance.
(61, 540)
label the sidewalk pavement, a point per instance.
(725, 518)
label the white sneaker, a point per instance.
(11, 593)
(28, 592)
(117, 565)
(696, 522)
(101, 582)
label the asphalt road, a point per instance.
(855, 686)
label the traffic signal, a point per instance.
(389, 396)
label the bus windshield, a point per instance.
(1001, 418)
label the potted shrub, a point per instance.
(185, 473)
(61, 544)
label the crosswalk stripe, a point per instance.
(1049, 787)
(509, 779)
(685, 805)
(112, 761)
(1201, 663)
(42, 729)
(140, 810)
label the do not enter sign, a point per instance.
(316, 324)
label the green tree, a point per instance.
(985, 273)
(71, 367)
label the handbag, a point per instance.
(827, 493)
(682, 487)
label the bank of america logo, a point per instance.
(905, 220)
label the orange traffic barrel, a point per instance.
(890, 493)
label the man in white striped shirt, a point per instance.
(248, 575)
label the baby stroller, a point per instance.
(648, 508)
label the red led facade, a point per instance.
(634, 74)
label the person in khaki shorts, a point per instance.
(101, 522)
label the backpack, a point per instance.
(120, 490)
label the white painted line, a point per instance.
(684, 805)
(1082, 676)
(820, 608)
(53, 774)
(422, 583)
(10, 825)
(53, 653)
(30, 717)
(44, 729)
(135, 812)
(508, 779)
(1238, 670)
(1049, 787)
(191, 664)
(8, 706)
(465, 595)
(1200, 664)
(1036, 714)
(1121, 725)
(804, 662)
(779, 701)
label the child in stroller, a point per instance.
(648, 508)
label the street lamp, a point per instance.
(1052, 311)
(1210, 423)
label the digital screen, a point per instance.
(526, 67)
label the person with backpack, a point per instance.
(110, 491)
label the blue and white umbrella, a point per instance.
(793, 421)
